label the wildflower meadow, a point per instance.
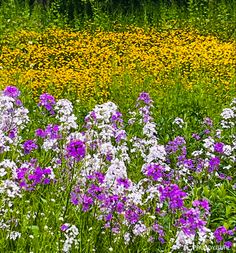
(109, 184)
(117, 126)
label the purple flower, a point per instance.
(108, 217)
(11, 91)
(117, 117)
(52, 131)
(133, 214)
(47, 101)
(120, 136)
(87, 202)
(159, 229)
(94, 190)
(155, 171)
(109, 157)
(13, 133)
(191, 221)
(30, 177)
(100, 177)
(76, 149)
(203, 203)
(174, 194)
(214, 164)
(46, 181)
(29, 145)
(218, 147)
(219, 232)
(40, 133)
(97, 176)
(93, 115)
(74, 198)
(64, 227)
(120, 207)
(18, 102)
(188, 163)
(196, 136)
(206, 131)
(173, 146)
(145, 98)
(207, 121)
(228, 244)
(124, 182)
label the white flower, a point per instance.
(183, 242)
(156, 153)
(179, 122)
(127, 237)
(14, 235)
(227, 150)
(227, 114)
(209, 143)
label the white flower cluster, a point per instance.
(189, 243)
(12, 119)
(229, 116)
(64, 113)
(8, 187)
(106, 138)
(70, 233)
(13, 235)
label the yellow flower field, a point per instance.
(60, 61)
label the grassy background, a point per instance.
(214, 16)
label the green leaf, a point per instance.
(228, 211)
(35, 229)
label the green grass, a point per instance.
(208, 16)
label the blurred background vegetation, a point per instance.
(209, 16)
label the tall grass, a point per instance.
(212, 16)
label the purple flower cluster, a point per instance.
(219, 147)
(174, 195)
(220, 234)
(101, 185)
(51, 131)
(29, 146)
(133, 214)
(214, 164)
(76, 149)
(47, 101)
(157, 172)
(208, 121)
(64, 227)
(145, 98)
(123, 182)
(159, 229)
(173, 146)
(11, 91)
(110, 205)
(202, 204)
(191, 221)
(116, 119)
(29, 178)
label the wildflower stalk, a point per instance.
(70, 187)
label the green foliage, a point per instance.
(212, 16)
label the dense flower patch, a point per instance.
(91, 64)
(109, 184)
